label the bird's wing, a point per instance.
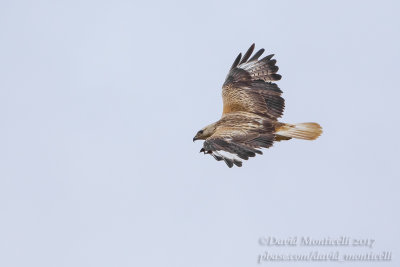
(238, 138)
(248, 86)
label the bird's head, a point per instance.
(205, 132)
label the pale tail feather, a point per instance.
(305, 130)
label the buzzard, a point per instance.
(252, 104)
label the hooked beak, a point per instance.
(195, 138)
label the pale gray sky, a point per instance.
(100, 100)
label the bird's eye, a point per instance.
(200, 132)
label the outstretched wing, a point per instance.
(248, 86)
(239, 137)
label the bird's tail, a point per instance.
(305, 130)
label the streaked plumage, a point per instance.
(252, 103)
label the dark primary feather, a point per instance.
(237, 163)
(244, 149)
(249, 86)
(228, 162)
(240, 149)
(263, 69)
(241, 134)
(236, 62)
(257, 55)
(248, 54)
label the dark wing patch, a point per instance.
(263, 140)
(248, 86)
(233, 146)
(240, 149)
(236, 150)
(264, 69)
(266, 99)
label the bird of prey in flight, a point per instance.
(252, 105)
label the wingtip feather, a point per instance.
(247, 54)
(236, 62)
